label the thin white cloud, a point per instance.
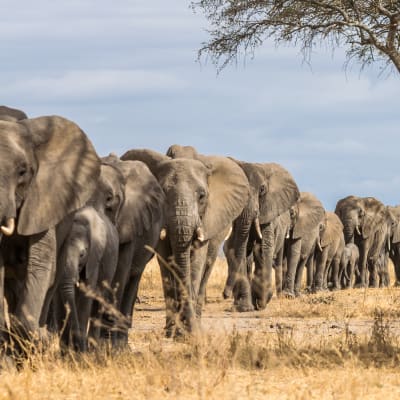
(94, 84)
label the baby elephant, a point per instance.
(349, 265)
(89, 256)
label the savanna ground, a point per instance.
(340, 345)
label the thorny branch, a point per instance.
(369, 30)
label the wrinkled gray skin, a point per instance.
(258, 235)
(308, 219)
(48, 169)
(202, 200)
(365, 224)
(349, 265)
(328, 254)
(139, 217)
(89, 256)
(394, 243)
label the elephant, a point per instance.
(349, 265)
(89, 255)
(203, 197)
(394, 241)
(328, 254)
(11, 114)
(48, 169)
(257, 229)
(365, 224)
(308, 220)
(133, 199)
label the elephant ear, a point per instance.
(151, 158)
(144, 201)
(311, 213)
(281, 192)
(395, 213)
(228, 193)
(374, 216)
(97, 243)
(68, 169)
(178, 151)
(334, 228)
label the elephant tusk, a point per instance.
(258, 228)
(229, 233)
(163, 233)
(319, 245)
(200, 234)
(8, 229)
(358, 230)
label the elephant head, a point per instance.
(48, 169)
(361, 216)
(143, 198)
(202, 199)
(394, 224)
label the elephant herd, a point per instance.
(77, 231)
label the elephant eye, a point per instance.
(262, 190)
(22, 170)
(201, 193)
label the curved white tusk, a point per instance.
(319, 245)
(258, 228)
(8, 229)
(200, 234)
(163, 233)
(358, 230)
(229, 233)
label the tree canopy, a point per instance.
(367, 29)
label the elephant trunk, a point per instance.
(184, 226)
(349, 228)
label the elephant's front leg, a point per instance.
(293, 258)
(363, 264)
(261, 284)
(40, 275)
(320, 270)
(279, 272)
(211, 256)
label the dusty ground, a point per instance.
(341, 345)
(326, 314)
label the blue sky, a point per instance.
(126, 72)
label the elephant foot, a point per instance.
(288, 294)
(244, 307)
(335, 288)
(226, 294)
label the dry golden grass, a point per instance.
(340, 345)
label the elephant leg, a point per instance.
(84, 305)
(120, 326)
(212, 254)
(170, 288)
(293, 257)
(335, 263)
(299, 277)
(279, 273)
(320, 270)
(363, 264)
(261, 284)
(39, 276)
(374, 270)
(395, 257)
(310, 273)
